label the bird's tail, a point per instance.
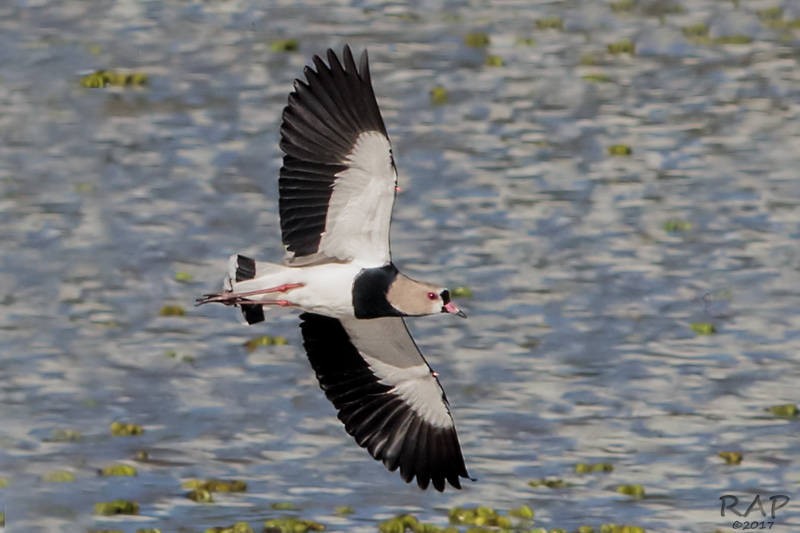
(242, 268)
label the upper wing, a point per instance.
(386, 395)
(337, 183)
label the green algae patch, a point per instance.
(477, 39)
(525, 41)
(65, 435)
(291, 525)
(597, 77)
(200, 496)
(523, 511)
(731, 458)
(59, 476)
(103, 78)
(216, 485)
(550, 483)
(3, 482)
(407, 522)
(439, 95)
(697, 33)
(148, 530)
(284, 506)
(620, 150)
(481, 516)
(183, 277)
(123, 429)
(786, 410)
(733, 39)
(592, 468)
(703, 328)
(116, 507)
(549, 23)
(677, 225)
(623, 6)
(343, 510)
(461, 292)
(632, 490)
(285, 45)
(617, 528)
(265, 340)
(238, 527)
(493, 60)
(172, 310)
(117, 470)
(623, 46)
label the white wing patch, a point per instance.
(417, 387)
(360, 207)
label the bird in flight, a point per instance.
(337, 187)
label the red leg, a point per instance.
(235, 298)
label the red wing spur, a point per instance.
(337, 188)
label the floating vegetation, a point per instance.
(623, 6)
(617, 528)
(344, 510)
(439, 95)
(3, 482)
(116, 507)
(461, 292)
(733, 39)
(624, 46)
(265, 340)
(65, 435)
(148, 530)
(591, 468)
(172, 310)
(122, 429)
(105, 531)
(550, 483)
(493, 60)
(550, 23)
(172, 354)
(103, 78)
(620, 150)
(141, 455)
(477, 39)
(478, 516)
(291, 525)
(285, 45)
(118, 470)
(59, 476)
(589, 59)
(677, 225)
(703, 328)
(525, 41)
(696, 32)
(633, 490)
(284, 506)
(238, 527)
(216, 485)
(597, 77)
(183, 277)
(787, 410)
(523, 511)
(731, 458)
(200, 496)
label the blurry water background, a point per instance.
(588, 269)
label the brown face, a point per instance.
(415, 298)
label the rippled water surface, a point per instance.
(588, 269)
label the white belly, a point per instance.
(326, 290)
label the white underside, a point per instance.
(327, 287)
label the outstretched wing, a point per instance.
(386, 395)
(337, 183)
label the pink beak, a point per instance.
(450, 307)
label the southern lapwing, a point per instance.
(337, 188)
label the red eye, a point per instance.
(432, 296)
